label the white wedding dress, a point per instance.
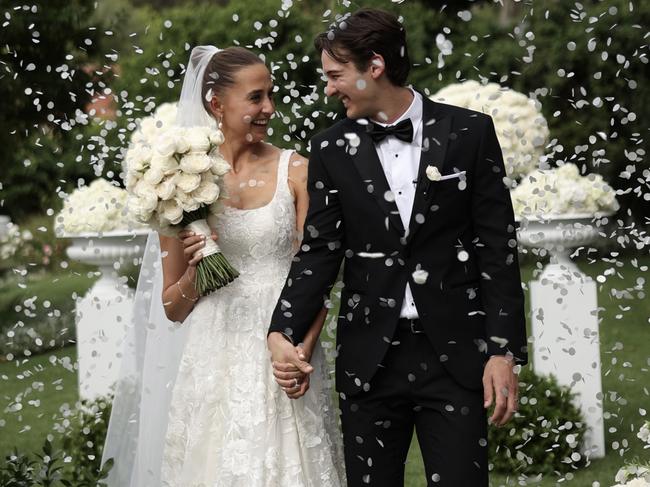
(230, 424)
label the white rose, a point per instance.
(216, 137)
(433, 173)
(147, 132)
(195, 163)
(198, 141)
(187, 182)
(166, 113)
(168, 165)
(182, 145)
(138, 158)
(420, 276)
(131, 180)
(165, 190)
(171, 212)
(166, 145)
(219, 166)
(134, 207)
(206, 193)
(187, 202)
(153, 175)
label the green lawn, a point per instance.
(45, 383)
(35, 390)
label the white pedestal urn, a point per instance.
(102, 313)
(564, 307)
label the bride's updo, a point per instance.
(221, 69)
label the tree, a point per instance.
(46, 80)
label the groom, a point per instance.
(409, 194)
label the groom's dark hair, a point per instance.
(358, 37)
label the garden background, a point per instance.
(77, 75)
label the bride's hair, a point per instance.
(221, 69)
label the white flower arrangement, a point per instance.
(520, 126)
(13, 240)
(174, 177)
(633, 476)
(562, 191)
(644, 434)
(636, 474)
(97, 208)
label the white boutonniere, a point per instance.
(433, 174)
(420, 276)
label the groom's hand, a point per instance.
(289, 364)
(501, 388)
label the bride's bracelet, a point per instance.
(180, 290)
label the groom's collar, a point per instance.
(430, 114)
(414, 111)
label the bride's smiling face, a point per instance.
(246, 107)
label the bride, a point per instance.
(197, 403)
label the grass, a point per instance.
(46, 382)
(37, 312)
(42, 385)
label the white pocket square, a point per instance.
(452, 176)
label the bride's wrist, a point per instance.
(186, 288)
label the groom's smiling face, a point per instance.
(356, 89)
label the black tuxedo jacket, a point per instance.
(461, 232)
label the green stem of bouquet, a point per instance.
(213, 271)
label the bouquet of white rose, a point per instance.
(175, 182)
(562, 191)
(99, 207)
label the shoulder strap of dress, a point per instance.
(283, 166)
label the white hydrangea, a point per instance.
(520, 126)
(13, 240)
(562, 191)
(98, 207)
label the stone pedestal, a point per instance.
(103, 311)
(565, 319)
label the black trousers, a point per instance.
(413, 391)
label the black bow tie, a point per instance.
(403, 131)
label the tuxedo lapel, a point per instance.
(367, 163)
(435, 136)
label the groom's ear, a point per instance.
(376, 66)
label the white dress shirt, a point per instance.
(400, 161)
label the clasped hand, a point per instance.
(291, 367)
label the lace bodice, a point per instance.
(259, 242)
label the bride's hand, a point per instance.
(192, 245)
(292, 381)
